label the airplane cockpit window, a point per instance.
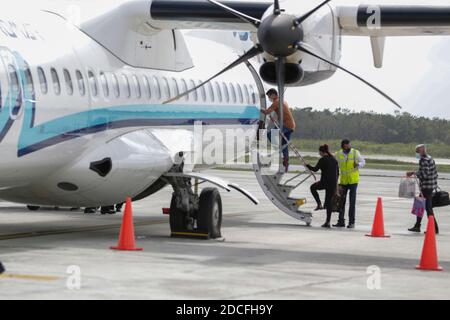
(157, 87)
(246, 94)
(42, 80)
(219, 92)
(115, 85)
(240, 94)
(104, 83)
(30, 83)
(203, 91)
(68, 80)
(126, 85)
(148, 89)
(233, 93)
(166, 88)
(184, 88)
(137, 87)
(225, 92)
(80, 81)
(14, 79)
(56, 83)
(93, 83)
(195, 92)
(211, 91)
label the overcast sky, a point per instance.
(416, 73)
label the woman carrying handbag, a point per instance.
(329, 168)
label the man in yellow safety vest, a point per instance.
(350, 161)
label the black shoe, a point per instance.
(416, 228)
(326, 225)
(318, 208)
(339, 225)
(90, 210)
(351, 226)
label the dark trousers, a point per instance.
(329, 192)
(428, 195)
(287, 133)
(353, 188)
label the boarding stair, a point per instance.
(277, 185)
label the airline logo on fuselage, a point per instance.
(25, 31)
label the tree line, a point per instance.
(370, 126)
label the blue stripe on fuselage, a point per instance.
(93, 121)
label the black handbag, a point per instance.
(440, 199)
(337, 201)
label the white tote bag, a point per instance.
(407, 188)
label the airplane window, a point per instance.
(14, 79)
(219, 92)
(80, 80)
(68, 80)
(126, 84)
(194, 93)
(211, 91)
(56, 83)
(252, 94)
(29, 79)
(233, 93)
(115, 85)
(166, 88)
(175, 86)
(240, 95)
(104, 83)
(184, 89)
(137, 87)
(157, 87)
(203, 91)
(42, 80)
(246, 94)
(225, 92)
(93, 83)
(147, 87)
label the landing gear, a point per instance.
(210, 213)
(203, 219)
(33, 208)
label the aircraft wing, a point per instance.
(394, 20)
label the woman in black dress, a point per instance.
(329, 168)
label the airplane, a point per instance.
(100, 99)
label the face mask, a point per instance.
(418, 156)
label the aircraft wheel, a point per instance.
(33, 208)
(210, 213)
(177, 217)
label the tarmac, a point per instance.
(59, 254)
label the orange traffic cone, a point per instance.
(429, 260)
(126, 237)
(378, 223)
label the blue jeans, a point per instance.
(352, 210)
(287, 133)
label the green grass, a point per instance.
(372, 148)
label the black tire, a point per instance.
(210, 213)
(33, 208)
(177, 218)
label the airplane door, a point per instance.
(11, 94)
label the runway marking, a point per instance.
(72, 230)
(29, 277)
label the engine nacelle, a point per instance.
(294, 74)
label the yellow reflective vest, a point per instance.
(348, 173)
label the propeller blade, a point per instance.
(303, 47)
(253, 52)
(280, 68)
(310, 13)
(276, 7)
(242, 16)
